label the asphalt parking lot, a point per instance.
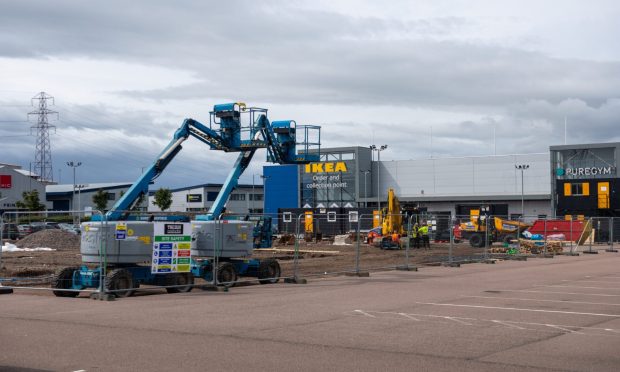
(543, 314)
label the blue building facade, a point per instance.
(281, 188)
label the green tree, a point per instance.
(100, 200)
(30, 201)
(163, 198)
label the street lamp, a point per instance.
(378, 149)
(522, 167)
(73, 165)
(365, 187)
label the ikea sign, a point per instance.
(327, 167)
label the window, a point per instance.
(577, 189)
(353, 216)
(256, 197)
(331, 216)
(111, 196)
(237, 197)
(287, 217)
(211, 195)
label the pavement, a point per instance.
(544, 314)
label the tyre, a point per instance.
(226, 274)
(120, 283)
(507, 239)
(63, 279)
(269, 271)
(476, 241)
(186, 280)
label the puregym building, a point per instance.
(585, 179)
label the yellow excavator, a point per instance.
(391, 216)
(390, 220)
(499, 229)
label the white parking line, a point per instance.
(457, 320)
(575, 286)
(364, 313)
(535, 299)
(520, 309)
(571, 293)
(563, 329)
(409, 316)
(591, 281)
(507, 323)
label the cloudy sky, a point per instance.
(125, 74)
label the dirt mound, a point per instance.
(55, 239)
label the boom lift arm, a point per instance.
(279, 138)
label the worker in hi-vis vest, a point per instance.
(415, 235)
(423, 231)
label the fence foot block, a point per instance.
(490, 261)
(571, 254)
(295, 280)
(406, 268)
(590, 252)
(451, 264)
(518, 258)
(361, 274)
(102, 296)
(611, 250)
(548, 255)
(4, 290)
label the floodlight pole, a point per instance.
(522, 167)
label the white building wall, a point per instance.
(462, 177)
(180, 204)
(19, 184)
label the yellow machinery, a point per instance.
(392, 217)
(500, 230)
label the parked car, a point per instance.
(73, 229)
(10, 231)
(24, 230)
(38, 226)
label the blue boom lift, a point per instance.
(233, 127)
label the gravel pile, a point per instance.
(53, 238)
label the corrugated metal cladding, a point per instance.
(281, 188)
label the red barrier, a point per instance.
(558, 227)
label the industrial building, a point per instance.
(67, 198)
(199, 198)
(585, 179)
(13, 182)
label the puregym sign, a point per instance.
(585, 171)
